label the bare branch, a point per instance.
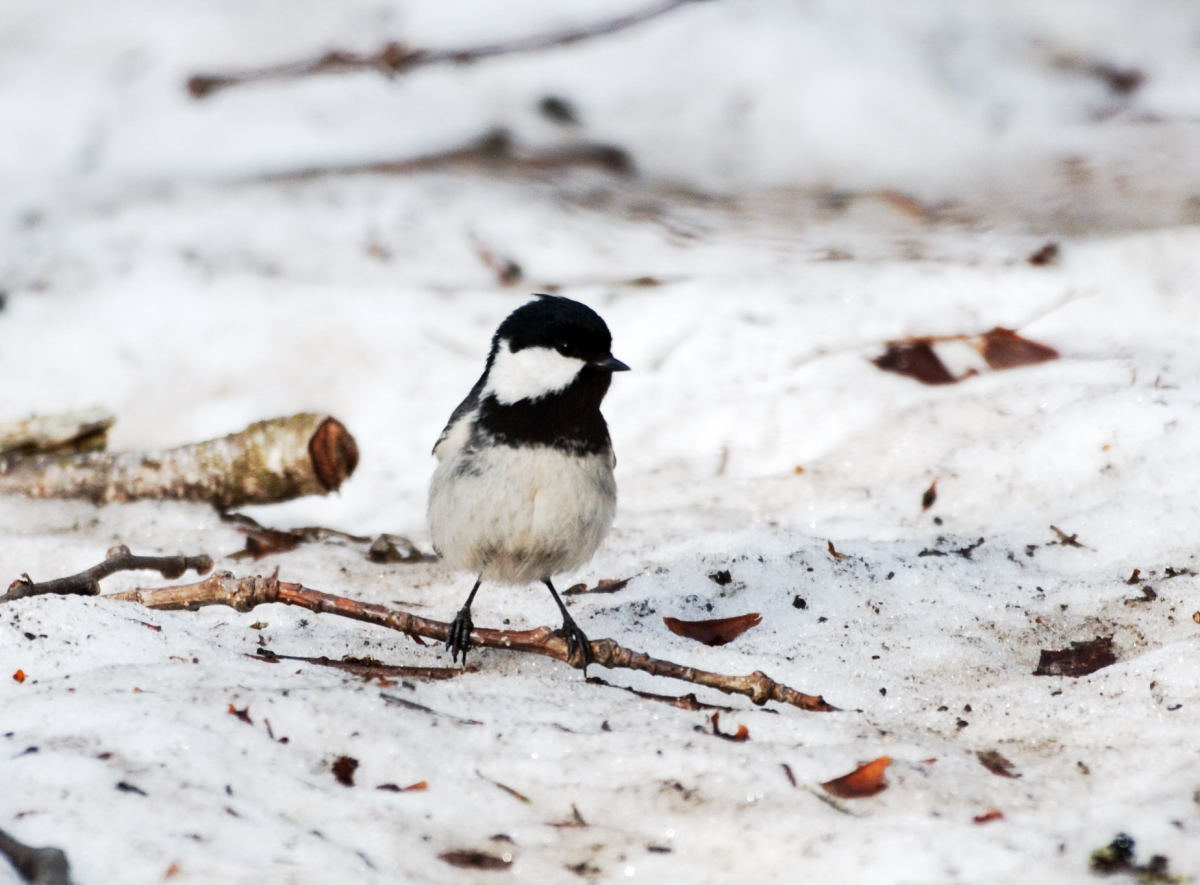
(244, 594)
(269, 461)
(118, 559)
(39, 866)
(492, 149)
(395, 59)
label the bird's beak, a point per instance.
(611, 364)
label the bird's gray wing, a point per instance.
(459, 419)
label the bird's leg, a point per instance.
(576, 640)
(458, 638)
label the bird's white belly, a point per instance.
(517, 515)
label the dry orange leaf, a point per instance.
(866, 780)
(988, 816)
(714, 631)
(19, 676)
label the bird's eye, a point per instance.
(566, 348)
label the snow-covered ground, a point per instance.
(815, 178)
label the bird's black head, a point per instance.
(545, 346)
(548, 371)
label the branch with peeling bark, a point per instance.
(395, 59)
(244, 594)
(270, 461)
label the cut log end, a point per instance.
(334, 454)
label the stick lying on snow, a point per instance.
(270, 461)
(244, 594)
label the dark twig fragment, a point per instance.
(118, 559)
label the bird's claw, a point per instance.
(577, 643)
(458, 637)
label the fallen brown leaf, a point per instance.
(866, 780)
(714, 631)
(833, 551)
(604, 585)
(988, 816)
(418, 787)
(1004, 349)
(19, 676)
(995, 762)
(243, 714)
(475, 860)
(1046, 255)
(930, 496)
(915, 358)
(343, 770)
(1080, 659)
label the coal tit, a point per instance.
(524, 486)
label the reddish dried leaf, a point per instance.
(604, 585)
(714, 631)
(742, 733)
(995, 762)
(834, 552)
(343, 770)
(915, 359)
(475, 860)
(243, 714)
(988, 816)
(1004, 349)
(866, 780)
(930, 496)
(418, 787)
(19, 676)
(262, 541)
(1080, 659)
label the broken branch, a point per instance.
(270, 461)
(63, 432)
(244, 594)
(118, 559)
(395, 58)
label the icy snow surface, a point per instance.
(785, 150)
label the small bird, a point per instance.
(524, 487)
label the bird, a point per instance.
(523, 489)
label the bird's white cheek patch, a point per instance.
(530, 373)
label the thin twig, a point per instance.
(493, 149)
(244, 594)
(39, 866)
(395, 58)
(118, 559)
(366, 669)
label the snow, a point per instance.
(148, 271)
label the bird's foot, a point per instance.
(577, 643)
(458, 638)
